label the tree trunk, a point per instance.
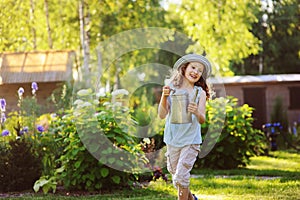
(50, 43)
(32, 23)
(84, 37)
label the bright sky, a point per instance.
(165, 3)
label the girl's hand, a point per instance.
(193, 108)
(166, 91)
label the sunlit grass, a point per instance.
(245, 188)
(272, 177)
(278, 160)
(276, 176)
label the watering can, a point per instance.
(180, 101)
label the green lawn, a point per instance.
(273, 177)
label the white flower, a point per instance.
(147, 140)
(96, 102)
(118, 104)
(100, 113)
(106, 103)
(101, 93)
(120, 92)
(78, 102)
(141, 76)
(76, 113)
(84, 92)
(86, 104)
(66, 116)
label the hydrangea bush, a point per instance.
(86, 161)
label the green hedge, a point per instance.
(238, 140)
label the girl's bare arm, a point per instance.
(163, 107)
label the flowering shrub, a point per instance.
(21, 152)
(56, 145)
(91, 135)
(238, 141)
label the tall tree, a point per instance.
(120, 16)
(50, 43)
(278, 30)
(83, 10)
(61, 27)
(33, 30)
(222, 28)
(23, 25)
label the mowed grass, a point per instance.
(267, 177)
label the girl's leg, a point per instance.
(172, 155)
(191, 197)
(185, 164)
(185, 194)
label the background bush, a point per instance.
(19, 166)
(83, 125)
(238, 141)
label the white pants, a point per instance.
(180, 161)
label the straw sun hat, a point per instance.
(194, 58)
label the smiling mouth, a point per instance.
(194, 76)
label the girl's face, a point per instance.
(194, 71)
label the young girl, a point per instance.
(183, 140)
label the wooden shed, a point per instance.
(261, 91)
(47, 68)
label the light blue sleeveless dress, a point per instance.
(180, 135)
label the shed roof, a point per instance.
(275, 78)
(38, 66)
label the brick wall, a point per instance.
(273, 91)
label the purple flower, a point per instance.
(34, 87)
(40, 128)
(2, 104)
(5, 133)
(21, 91)
(2, 118)
(24, 130)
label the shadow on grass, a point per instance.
(132, 194)
(290, 175)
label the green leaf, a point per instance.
(111, 160)
(77, 163)
(104, 172)
(103, 160)
(116, 179)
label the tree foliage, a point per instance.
(229, 31)
(24, 25)
(19, 18)
(280, 44)
(222, 28)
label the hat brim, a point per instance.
(194, 58)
